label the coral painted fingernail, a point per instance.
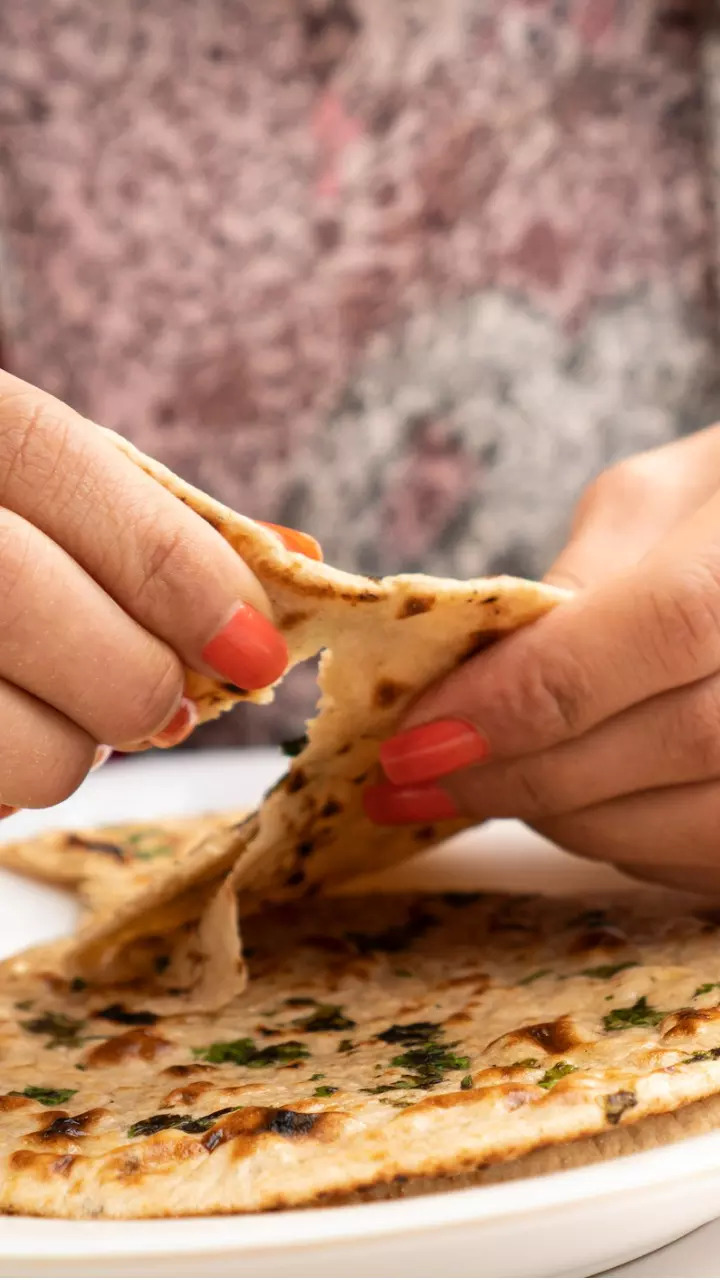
(179, 728)
(7, 811)
(296, 540)
(102, 755)
(390, 806)
(432, 750)
(249, 651)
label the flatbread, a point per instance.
(379, 1039)
(384, 642)
(103, 865)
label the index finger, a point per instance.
(161, 562)
(650, 629)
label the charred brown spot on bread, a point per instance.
(14, 1102)
(387, 692)
(330, 808)
(304, 848)
(552, 1037)
(43, 1165)
(292, 619)
(457, 1019)
(186, 1095)
(282, 1122)
(480, 981)
(73, 841)
(133, 1045)
(73, 1127)
(295, 878)
(478, 641)
(605, 938)
(360, 597)
(511, 1095)
(295, 781)
(181, 1070)
(413, 605)
(686, 1022)
(127, 1017)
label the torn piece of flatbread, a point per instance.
(384, 642)
(104, 865)
(379, 1039)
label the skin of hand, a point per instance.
(109, 587)
(599, 725)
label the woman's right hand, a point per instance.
(109, 587)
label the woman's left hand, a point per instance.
(599, 725)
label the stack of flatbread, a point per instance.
(222, 1035)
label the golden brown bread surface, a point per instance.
(378, 1039)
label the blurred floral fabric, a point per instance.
(403, 273)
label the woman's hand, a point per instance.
(109, 586)
(600, 724)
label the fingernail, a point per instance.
(432, 750)
(179, 728)
(296, 540)
(391, 806)
(7, 811)
(102, 755)
(249, 651)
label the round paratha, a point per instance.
(379, 1039)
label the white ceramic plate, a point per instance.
(571, 1224)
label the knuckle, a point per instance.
(61, 774)
(532, 795)
(553, 699)
(16, 562)
(699, 731)
(165, 566)
(537, 703)
(149, 704)
(683, 624)
(628, 481)
(33, 442)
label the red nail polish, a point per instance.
(391, 806)
(432, 750)
(249, 651)
(179, 728)
(7, 811)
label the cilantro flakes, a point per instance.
(555, 1073)
(640, 1014)
(326, 1017)
(705, 988)
(410, 1033)
(245, 1053)
(59, 1027)
(704, 1055)
(47, 1097)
